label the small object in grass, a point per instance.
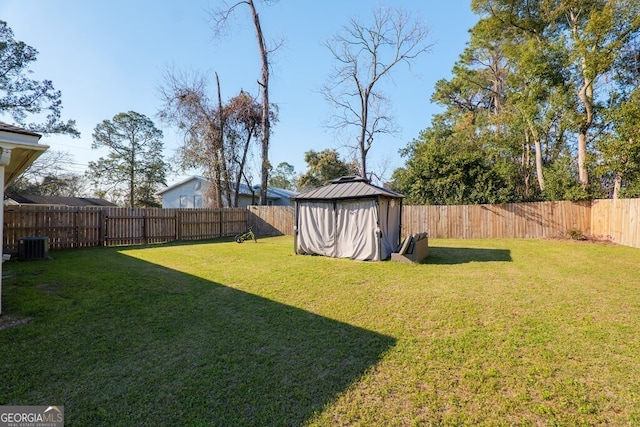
(241, 237)
(575, 234)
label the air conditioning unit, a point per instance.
(33, 248)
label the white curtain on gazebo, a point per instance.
(341, 229)
(356, 230)
(390, 213)
(317, 233)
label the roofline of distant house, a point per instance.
(281, 192)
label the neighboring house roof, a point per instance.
(272, 192)
(275, 192)
(183, 182)
(60, 201)
(347, 187)
(244, 188)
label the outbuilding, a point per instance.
(348, 218)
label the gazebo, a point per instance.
(348, 218)
(19, 148)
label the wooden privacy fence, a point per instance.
(614, 220)
(272, 220)
(617, 220)
(512, 220)
(77, 227)
(68, 227)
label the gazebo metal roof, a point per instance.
(347, 187)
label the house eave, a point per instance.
(22, 155)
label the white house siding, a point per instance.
(190, 194)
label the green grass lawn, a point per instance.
(485, 332)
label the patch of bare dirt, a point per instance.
(9, 321)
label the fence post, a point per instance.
(145, 239)
(102, 234)
(178, 225)
(221, 222)
(76, 230)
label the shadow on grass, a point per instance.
(448, 255)
(149, 345)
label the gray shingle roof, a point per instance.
(347, 187)
(59, 200)
(15, 129)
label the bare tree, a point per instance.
(49, 176)
(221, 18)
(363, 56)
(217, 135)
(187, 106)
(244, 116)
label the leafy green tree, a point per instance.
(619, 149)
(323, 166)
(64, 185)
(134, 167)
(443, 169)
(589, 36)
(541, 98)
(283, 176)
(599, 31)
(512, 84)
(562, 181)
(479, 112)
(23, 97)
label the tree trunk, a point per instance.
(525, 163)
(539, 171)
(241, 168)
(497, 86)
(218, 182)
(617, 185)
(363, 132)
(132, 177)
(265, 126)
(538, 148)
(586, 97)
(224, 172)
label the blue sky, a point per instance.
(110, 57)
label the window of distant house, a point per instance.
(197, 201)
(269, 202)
(183, 202)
